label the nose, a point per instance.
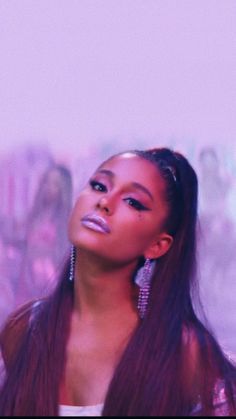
(104, 205)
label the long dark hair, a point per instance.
(171, 361)
(33, 345)
(152, 377)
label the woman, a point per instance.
(119, 335)
(46, 241)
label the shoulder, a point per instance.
(190, 361)
(221, 405)
(204, 363)
(190, 344)
(13, 330)
(201, 349)
(2, 369)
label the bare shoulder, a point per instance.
(190, 341)
(191, 357)
(13, 330)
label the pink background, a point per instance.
(80, 79)
(79, 72)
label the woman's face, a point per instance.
(120, 212)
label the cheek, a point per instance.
(137, 234)
(140, 224)
(140, 236)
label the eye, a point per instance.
(97, 186)
(136, 204)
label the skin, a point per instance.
(128, 192)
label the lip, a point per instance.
(95, 222)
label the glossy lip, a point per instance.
(95, 222)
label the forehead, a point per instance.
(132, 168)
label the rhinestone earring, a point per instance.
(143, 279)
(72, 263)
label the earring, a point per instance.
(143, 279)
(72, 263)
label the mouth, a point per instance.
(96, 223)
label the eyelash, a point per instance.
(134, 203)
(97, 186)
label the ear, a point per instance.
(161, 245)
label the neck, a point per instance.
(103, 290)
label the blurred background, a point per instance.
(83, 79)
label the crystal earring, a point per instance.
(143, 279)
(72, 263)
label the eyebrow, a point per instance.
(134, 184)
(106, 172)
(143, 189)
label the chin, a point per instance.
(86, 241)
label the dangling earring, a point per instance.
(143, 279)
(72, 263)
